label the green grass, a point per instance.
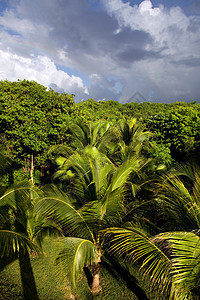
(50, 288)
(113, 287)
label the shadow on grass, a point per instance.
(6, 260)
(117, 270)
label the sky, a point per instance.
(105, 49)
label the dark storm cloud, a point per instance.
(190, 62)
(133, 54)
(72, 22)
(129, 46)
(86, 32)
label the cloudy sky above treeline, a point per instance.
(105, 49)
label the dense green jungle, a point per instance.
(98, 199)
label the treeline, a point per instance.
(33, 119)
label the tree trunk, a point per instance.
(95, 287)
(27, 278)
(32, 169)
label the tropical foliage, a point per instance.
(109, 179)
(170, 259)
(100, 190)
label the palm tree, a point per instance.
(100, 186)
(130, 137)
(96, 134)
(171, 259)
(22, 231)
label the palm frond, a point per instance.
(136, 245)
(74, 254)
(10, 242)
(186, 262)
(122, 173)
(196, 190)
(20, 196)
(80, 134)
(58, 206)
(105, 213)
(60, 150)
(38, 228)
(180, 201)
(186, 170)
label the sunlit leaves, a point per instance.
(10, 242)
(136, 245)
(35, 119)
(185, 257)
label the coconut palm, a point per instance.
(22, 231)
(100, 186)
(170, 259)
(130, 137)
(120, 143)
(96, 134)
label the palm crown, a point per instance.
(102, 190)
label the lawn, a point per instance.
(50, 287)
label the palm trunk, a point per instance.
(27, 278)
(95, 287)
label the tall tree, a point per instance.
(178, 129)
(31, 119)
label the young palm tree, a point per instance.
(22, 231)
(96, 134)
(170, 259)
(130, 138)
(101, 187)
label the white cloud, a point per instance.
(175, 37)
(23, 26)
(11, 22)
(40, 69)
(147, 7)
(167, 26)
